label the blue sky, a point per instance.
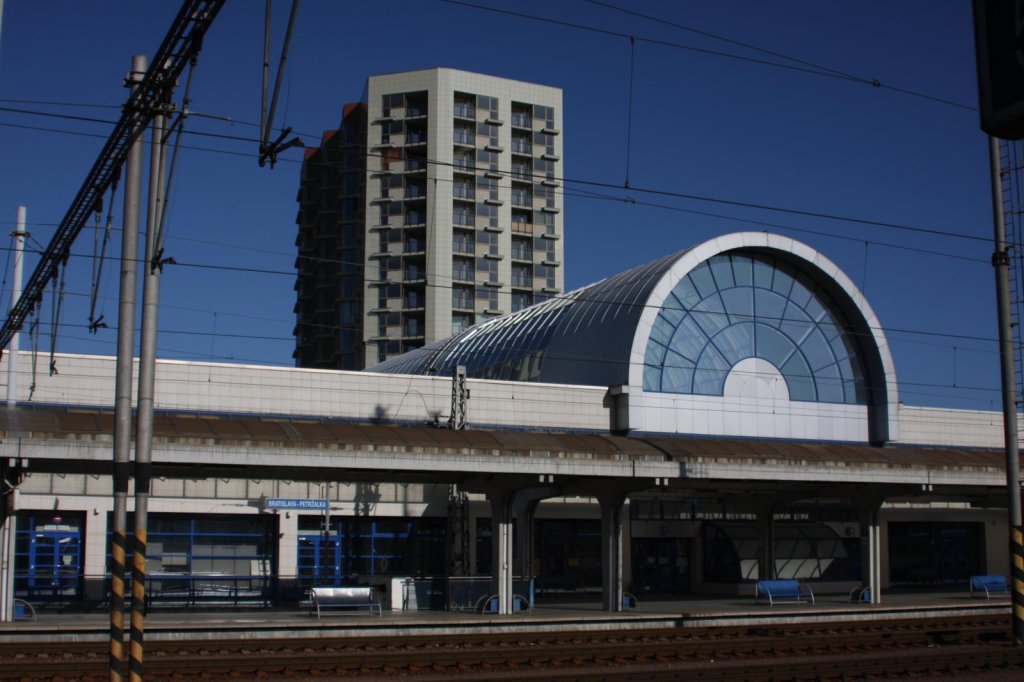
(726, 132)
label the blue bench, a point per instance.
(991, 585)
(779, 590)
(362, 597)
(860, 594)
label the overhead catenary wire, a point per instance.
(870, 330)
(820, 68)
(798, 66)
(99, 257)
(679, 195)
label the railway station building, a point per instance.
(727, 413)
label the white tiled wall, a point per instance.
(89, 381)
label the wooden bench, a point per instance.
(777, 590)
(991, 585)
(363, 597)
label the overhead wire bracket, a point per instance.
(269, 150)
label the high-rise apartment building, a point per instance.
(459, 215)
(330, 243)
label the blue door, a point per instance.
(49, 565)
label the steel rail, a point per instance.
(734, 649)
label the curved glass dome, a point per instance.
(741, 305)
(581, 338)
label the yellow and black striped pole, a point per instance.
(138, 604)
(1017, 581)
(117, 558)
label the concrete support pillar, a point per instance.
(8, 528)
(94, 563)
(871, 552)
(765, 543)
(501, 501)
(11, 473)
(526, 509)
(612, 504)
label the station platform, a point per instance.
(550, 613)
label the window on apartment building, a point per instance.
(545, 115)
(488, 215)
(487, 160)
(349, 287)
(488, 133)
(489, 105)
(546, 247)
(349, 235)
(545, 142)
(522, 276)
(414, 298)
(488, 188)
(464, 216)
(488, 241)
(487, 269)
(388, 186)
(389, 157)
(521, 222)
(544, 168)
(415, 217)
(350, 183)
(465, 105)
(391, 103)
(464, 161)
(522, 249)
(462, 242)
(463, 135)
(547, 194)
(349, 208)
(545, 219)
(415, 189)
(463, 189)
(461, 321)
(416, 135)
(390, 130)
(462, 298)
(488, 296)
(546, 275)
(521, 143)
(522, 115)
(462, 269)
(415, 104)
(521, 196)
(521, 299)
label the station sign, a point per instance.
(291, 503)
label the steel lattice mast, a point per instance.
(180, 46)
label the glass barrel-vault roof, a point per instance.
(743, 305)
(737, 304)
(582, 338)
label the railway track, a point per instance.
(808, 651)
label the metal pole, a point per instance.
(19, 235)
(1001, 262)
(147, 374)
(8, 513)
(123, 387)
(264, 133)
